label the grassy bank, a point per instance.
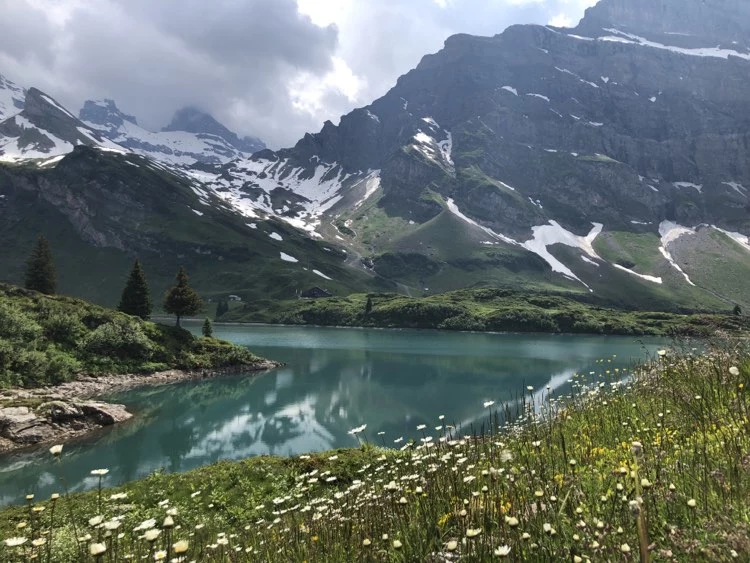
(656, 470)
(487, 310)
(49, 340)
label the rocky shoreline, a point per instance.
(46, 415)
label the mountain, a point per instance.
(611, 158)
(11, 98)
(191, 138)
(196, 121)
(45, 129)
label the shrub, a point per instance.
(120, 338)
(65, 329)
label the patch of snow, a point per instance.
(557, 113)
(446, 147)
(715, 52)
(287, 258)
(589, 260)
(653, 188)
(430, 121)
(739, 188)
(595, 124)
(670, 232)
(51, 161)
(453, 208)
(642, 276)
(548, 235)
(510, 89)
(276, 236)
(605, 79)
(652, 99)
(54, 104)
(573, 74)
(536, 203)
(545, 98)
(373, 116)
(198, 213)
(322, 275)
(740, 239)
(252, 225)
(550, 150)
(698, 187)
(372, 183)
(639, 223)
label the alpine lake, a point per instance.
(333, 380)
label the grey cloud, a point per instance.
(233, 58)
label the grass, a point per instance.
(487, 310)
(656, 469)
(46, 340)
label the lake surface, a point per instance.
(334, 380)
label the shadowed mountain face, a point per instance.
(609, 159)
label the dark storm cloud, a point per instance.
(260, 66)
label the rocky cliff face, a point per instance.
(196, 121)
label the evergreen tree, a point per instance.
(368, 305)
(737, 310)
(40, 269)
(208, 328)
(136, 297)
(181, 299)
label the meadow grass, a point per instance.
(654, 467)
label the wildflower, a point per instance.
(526, 536)
(112, 525)
(168, 522)
(572, 462)
(452, 545)
(96, 549)
(357, 430)
(333, 458)
(15, 542)
(397, 544)
(471, 533)
(421, 427)
(645, 483)
(366, 542)
(54, 496)
(402, 500)
(152, 534)
(418, 491)
(536, 443)
(734, 370)
(56, 450)
(39, 542)
(160, 555)
(637, 448)
(385, 537)
(548, 529)
(488, 404)
(99, 473)
(625, 548)
(577, 559)
(662, 353)
(502, 551)
(635, 507)
(29, 497)
(691, 503)
(118, 496)
(96, 520)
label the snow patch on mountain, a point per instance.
(11, 98)
(549, 235)
(642, 276)
(510, 89)
(698, 187)
(322, 275)
(740, 239)
(669, 233)
(453, 208)
(629, 38)
(372, 183)
(287, 258)
(737, 187)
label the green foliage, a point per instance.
(655, 466)
(181, 300)
(40, 272)
(222, 309)
(489, 309)
(368, 305)
(737, 311)
(136, 297)
(207, 329)
(49, 340)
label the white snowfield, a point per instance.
(670, 232)
(628, 38)
(12, 151)
(642, 276)
(287, 258)
(510, 89)
(322, 275)
(11, 95)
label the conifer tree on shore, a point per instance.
(40, 272)
(136, 297)
(181, 300)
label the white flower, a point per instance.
(488, 404)
(473, 532)
(357, 430)
(56, 450)
(421, 427)
(96, 549)
(96, 520)
(397, 544)
(502, 551)
(734, 370)
(15, 542)
(152, 534)
(625, 548)
(691, 503)
(366, 542)
(452, 545)
(100, 473)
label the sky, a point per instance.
(275, 69)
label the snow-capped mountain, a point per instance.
(44, 129)
(192, 137)
(609, 160)
(11, 98)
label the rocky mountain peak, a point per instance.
(194, 120)
(104, 113)
(39, 105)
(11, 98)
(720, 21)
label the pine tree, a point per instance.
(737, 310)
(368, 306)
(40, 269)
(181, 299)
(208, 328)
(136, 297)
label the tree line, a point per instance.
(180, 300)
